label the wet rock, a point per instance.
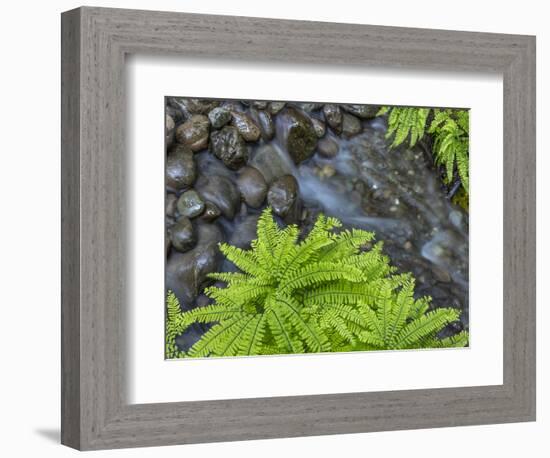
(174, 111)
(198, 106)
(275, 107)
(203, 300)
(207, 254)
(194, 132)
(272, 162)
(244, 232)
(170, 204)
(259, 104)
(170, 127)
(442, 275)
(181, 169)
(219, 117)
(190, 204)
(351, 125)
(187, 272)
(308, 106)
(208, 234)
(319, 126)
(228, 146)
(167, 245)
(233, 105)
(181, 279)
(211, 212)
(265, 121)
(327, 171)
(362, 111)
(327, 147)
(283, 197)
(246, 127)
(170, 221)
(182, 235)
(333, 117)
(220, 191)
(298, 134)
(252, 186)
(243, 210)
(209, 164)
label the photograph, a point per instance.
(297, 227)
(275, 229)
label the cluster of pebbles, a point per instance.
(227, 160)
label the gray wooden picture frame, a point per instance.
(95, 412)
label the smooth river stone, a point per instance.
(190, 204)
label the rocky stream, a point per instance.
(227, 160)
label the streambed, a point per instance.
(228, 160)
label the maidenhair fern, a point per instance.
(449, 129)
(327, 292)
(173, 326)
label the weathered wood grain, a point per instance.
(95, 411)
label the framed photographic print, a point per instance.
(295, 227)
(269, 235)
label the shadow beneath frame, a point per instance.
(53, 435)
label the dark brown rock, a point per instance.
(194, 132)
(219, 117)
(265, 121)
(170, 204)
(246, 126)
(283, 197)
(187, 272)
(319, 126)
(181, 169)
(190, 204)
(275, 107)
(170, 127)
(182, 235)
(228, 146)
(327, 147)
(272, 162)
(333, 117)
(198, 106)
(298, 134)
(351, 125)
(362, 111)
(211, 212)
(220, 191)
(252, 186)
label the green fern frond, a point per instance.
(449, 129)
(457, 341)
(427, 325)
(244, 260)
(175, 325)
(329, 292)
(317, 273)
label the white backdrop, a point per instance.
(29, 234)
(150, 79)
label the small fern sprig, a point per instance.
(406, 122)
(174, 327)
(324, 293)
(449, 129)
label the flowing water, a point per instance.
(397, 193)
